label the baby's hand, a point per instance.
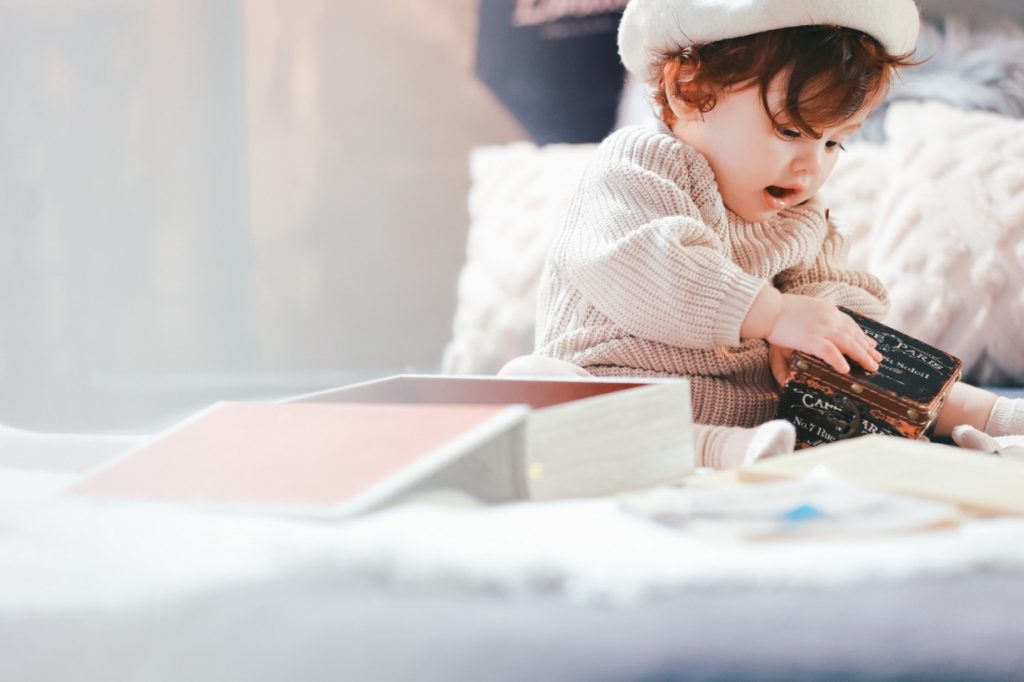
(817, 327)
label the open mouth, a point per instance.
(780, 192)
(778, 198)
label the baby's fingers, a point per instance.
(830, 353)
(865, 341)
(875, 354)
(859, 351)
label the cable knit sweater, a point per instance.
(652, 276)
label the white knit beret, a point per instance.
(650, 28)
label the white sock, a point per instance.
(966, 436)
(729, 447)
(777, 437)
(1006, 418)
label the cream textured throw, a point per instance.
(518, 199)
(651, 275)
(938, 214)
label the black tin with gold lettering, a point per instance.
(902, 398)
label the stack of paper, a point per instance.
(975, 481)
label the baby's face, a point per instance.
(761, 170)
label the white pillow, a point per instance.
(518, 198)
(937, 213)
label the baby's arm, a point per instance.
(809, 324)
(828, 278)
(637, 250)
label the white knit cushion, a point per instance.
(519, 195)
(937, 213)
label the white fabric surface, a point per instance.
(591, 552)
(72, 555)
(60, 452)
(63, 554)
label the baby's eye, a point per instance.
(831, 145)
(789, 133)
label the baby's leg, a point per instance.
(981, 409)
(728, 447)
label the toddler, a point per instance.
(698, 246)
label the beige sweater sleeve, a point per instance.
(638, 251)
(827, 278)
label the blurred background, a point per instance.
(217, 199)
(207, 199)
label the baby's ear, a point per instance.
(676, 79)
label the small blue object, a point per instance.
(804, 512)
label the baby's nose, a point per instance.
(808, 161)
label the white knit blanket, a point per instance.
(60, 555)
(938, 214)
(71, 555)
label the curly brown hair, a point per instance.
(831, 72)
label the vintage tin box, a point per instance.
(902, 398)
